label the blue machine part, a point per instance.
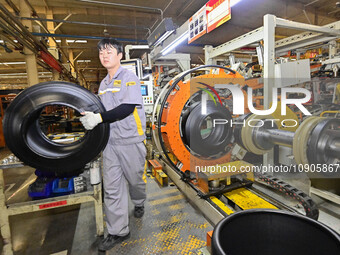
(63, 186)
(41, 188)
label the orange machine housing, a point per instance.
(172, 112)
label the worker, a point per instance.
(124, 155)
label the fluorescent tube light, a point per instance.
(140, 47)
(234, 2)
(175, 43)
(163, 37)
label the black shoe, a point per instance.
(139, 211)
(111, 240)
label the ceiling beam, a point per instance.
(86, 23)
(299, 7)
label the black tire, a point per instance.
(220, 136)
(26, 140)
(273, 232)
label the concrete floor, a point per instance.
(170, 225)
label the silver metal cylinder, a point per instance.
(267, 138)
(214, 183)
(281, 137)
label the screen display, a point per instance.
(144, 90)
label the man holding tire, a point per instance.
(124, 155)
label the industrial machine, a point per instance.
(135, 66)
(209, 156)
(147, 94)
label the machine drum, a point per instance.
(267, 232)
(26, 140)
(203, 135)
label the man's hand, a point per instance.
(90, 120)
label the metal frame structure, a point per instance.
(266, 33)
(44, 204)
(181, 59)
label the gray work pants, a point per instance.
(122, 163)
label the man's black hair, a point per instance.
(107, 42)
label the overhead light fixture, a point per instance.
(140, 47)
(15, 74)
(2, 41)
(162, 38)
(12, 63)
(175, 43)
(72, 41)
(84, 61)
(165, 28)
(234, 2)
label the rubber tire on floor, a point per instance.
(270, 232)
(26, 140)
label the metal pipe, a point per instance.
(6, 38)
(12, 25)
(124, 5)
(26, 34)
(66, 72)
(267, 138)
(34, 13)
(44, 65)
(12, 5)
(26, 37)
(166, 7)
(88, 37)
(311, 3)
(20, 40)
(21, 26)
(86, 23)
(281, 137)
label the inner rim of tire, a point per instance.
(39, 142)
(60, 124)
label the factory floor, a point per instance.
(170, 225)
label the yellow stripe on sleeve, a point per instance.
(138, 122)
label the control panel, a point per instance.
(147, 92)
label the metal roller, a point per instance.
(316, 141)
(267, 138)
(249, 142)
(324, 144)
(301, 137)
